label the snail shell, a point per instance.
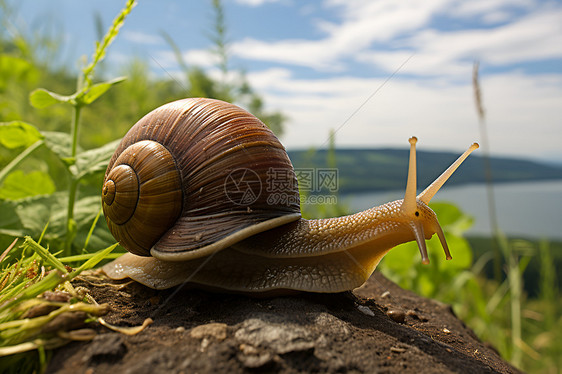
(188, 185)
(166, 189)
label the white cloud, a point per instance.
(363, 23)
(532, 38)
(432, 96)
(490, 11)
(318, 55)
(193, 58)
(140, 37)
(255, 3)
(441, 114)
(399, 29)
(200, 57)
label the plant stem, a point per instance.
(22, 156)
(488, 174)
(219, 39)
(74, 129)
(514, 275)
(70, 226)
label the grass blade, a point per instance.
(45, 254)
(94, 260)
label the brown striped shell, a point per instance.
(195, 176)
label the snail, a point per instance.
(187, 193)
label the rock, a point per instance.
(105, 348)
(376, 328)
(396, 315)
(278, 338)
(210, 330)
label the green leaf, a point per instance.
(426, 283)
(35, 212)
(100, 238)
(12, 232)
(452, 219)
(86, 209)
(91, 95)
(19, 185)
(9, 221)
(59, 143)
(16, 69)
(460, 250)
(94, 160)
(18, 134)
(401, 258)
(41, 98)
(6, 170)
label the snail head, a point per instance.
(415, 210)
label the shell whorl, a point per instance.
(146, 169)
(214, 147)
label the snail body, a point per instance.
(187, 186)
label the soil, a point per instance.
(378, 328)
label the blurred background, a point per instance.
(319, 62)
(344, 84)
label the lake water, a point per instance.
(527, 209)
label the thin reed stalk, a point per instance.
(485, 146)
(500, 242)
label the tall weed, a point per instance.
(30, 200)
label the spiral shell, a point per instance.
(195, 176)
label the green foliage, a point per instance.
(26, 319)
(49, 183)
(403, 263)
(77, 164)
(525, 331)
(18, 134)
(19, 185)
(69, 149)
(41, 98)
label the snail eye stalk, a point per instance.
(409, 205)
(432, 189)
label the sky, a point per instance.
(376, 72)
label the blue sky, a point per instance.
(319, 61)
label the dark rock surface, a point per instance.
(377, 328)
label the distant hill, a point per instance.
(361, 170)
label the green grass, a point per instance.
(36, 294)
(520, 315)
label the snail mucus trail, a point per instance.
(165, 200)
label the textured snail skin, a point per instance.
(327, 255)
(261, 248)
